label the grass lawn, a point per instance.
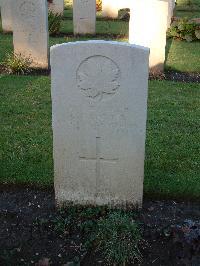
(187, 8)
(187, 14)
(183, 56)
(180, 56)
(109, 27)
(188, 5)
(172, 147)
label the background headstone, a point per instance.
(171, 6)
(57, 6)
(99, 97)
(147, 27)
(30, 30)
(84, 16)
(6, 15)
(110, 8)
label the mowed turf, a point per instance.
(172, 167)
(180, 55)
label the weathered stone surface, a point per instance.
(171, 6)
(99, 97)
(6, 15)
(30, 31)
(149, 29)
(84, 16)
(110, 8)
(57, 6)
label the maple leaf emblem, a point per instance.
(98, 77)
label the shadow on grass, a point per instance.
(167, 51)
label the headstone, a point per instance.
(99, 97)
(84, 16)
(110, 8)
(147, 27)
(6, 15)
(30, 31)
(57, 6)
(171, 6)
(169, 17)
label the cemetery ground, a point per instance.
(34, 233)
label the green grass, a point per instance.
(102, 27)
(26, 144)
(172, 148)
(186, 9)
(6, 45)
(172, 166)
(188, 5)
(183, 56)
(180, 56)
(187, 14)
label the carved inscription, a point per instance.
(98, 77)
(84, 1)
(27, 13)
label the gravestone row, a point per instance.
(84, 12)
(30, 26)
(110, 8)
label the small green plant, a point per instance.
(54, 21)
(184, 29)
(17, 64)
(118, 237)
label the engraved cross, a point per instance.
(98, 158)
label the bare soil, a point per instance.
(30, 231)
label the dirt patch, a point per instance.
(182, 76)
(32, 229)
(176, 76)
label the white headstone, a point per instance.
(84, 16)
(30, 30)
(6, 15)
(110, 8)
(147, 27)
(57, 6)
(99, 97)
(171, 5)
